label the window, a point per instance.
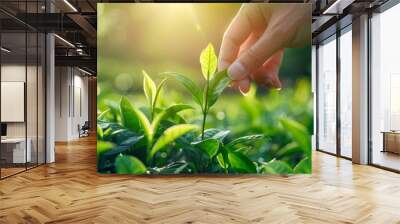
(327, 96)
(385, 89)
(346, 93)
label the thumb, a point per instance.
(255, 56)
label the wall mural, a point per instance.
(204, 88)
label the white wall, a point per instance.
(71, 94)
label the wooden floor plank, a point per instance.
(70, 191)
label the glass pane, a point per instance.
(31, 97)
(327, 97)
(385, 86)
(13, 86)
(41, 98)
(346, 94)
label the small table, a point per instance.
(391, 141)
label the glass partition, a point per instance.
(327, 95)
(385, 89)
(22, 88)
(14, 153)
(346, 93)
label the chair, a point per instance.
(84, 130)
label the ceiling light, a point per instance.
(84, 71)
(338, 6)
(70, 5)
(5, 50)
(65, 41)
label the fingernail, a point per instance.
(237, 71)
(244, 86)
(242, 92)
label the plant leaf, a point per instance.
(208, 61)
(103, 114)
(158, 90)
(170, 111)
(217, 85)
(289, 150)
(222, 159)
(129, 165)
(241, 163)
(189, 85)
(103, 147)
(209, 146)
(135, 119)
(99, 132)
(299, 133)
(304, 166)
(215, 134)
(245, 140)
(276, 166)
(149, 88)
(128, 116)
(169, 136)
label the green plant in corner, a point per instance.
(215, 83)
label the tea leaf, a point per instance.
(223, 160)
(103, 147)
(103, 114)
(189, 85)
(208, 61)
(209, 146)
(276, 166)
(158, 90)
(215, 134)
(241, 163)
(169, 136)
(149, 88)
(304, 166)
(245, 140)
(99, 132)
(170, 111)
(289, 150)
(217, 85)
(129, 165)
(135, 120)
(299, 133)
(128, 116)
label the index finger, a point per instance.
(234, 36)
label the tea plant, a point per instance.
(158, 140)
(214, 85)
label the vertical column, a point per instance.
(313, 90)
(360, 90)
(50, 92)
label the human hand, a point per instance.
(252, 46)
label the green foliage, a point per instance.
(151, 91)
(209, 146)
(170, 135)
(241, 163)
(128, 116)
(217, 85)
(129, 165)
(193, 89)
(267, 133)
(214, 86)
(208, 61)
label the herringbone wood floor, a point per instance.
(70, 191)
